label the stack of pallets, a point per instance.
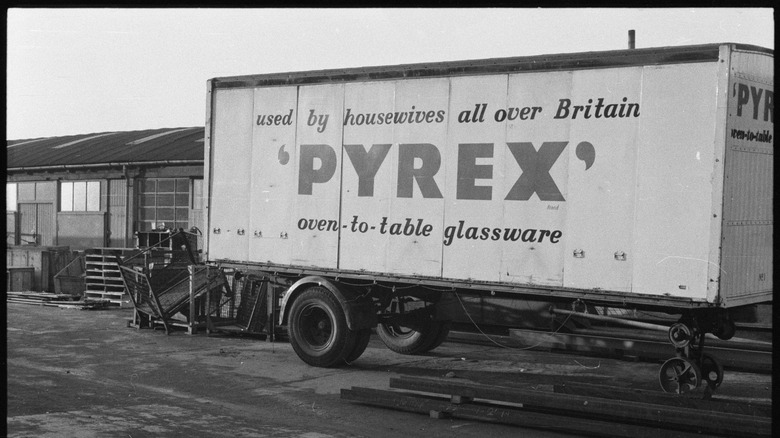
(103, 280)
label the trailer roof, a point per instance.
(565, 61)
(173, 145)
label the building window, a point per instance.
(10, 197)
(197, 194)
(80, 196)
(164, 203)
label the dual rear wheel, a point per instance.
(320, 336)
(319, 333)
(408, 341)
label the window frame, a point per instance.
(89, 190)
(11, 197)
(176, 192)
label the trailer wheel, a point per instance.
(408, 341)
(318, 329)
(363, 337)
(444, 331)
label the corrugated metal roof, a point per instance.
(152, 145)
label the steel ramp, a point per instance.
(163, 296)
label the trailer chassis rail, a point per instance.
(653, 302)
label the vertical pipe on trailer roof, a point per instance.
(631, 39)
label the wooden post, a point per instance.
(191, 326)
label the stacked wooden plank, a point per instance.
(55, 300)
(581, 412)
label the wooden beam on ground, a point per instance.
(41, 295)
(732, 425)
(29, 301)
(442, 408)
(88, 304)
(662, 398)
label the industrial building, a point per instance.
(87, 191)
(96, 190)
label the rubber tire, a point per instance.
(363, 337)
(444, 331)
(413, 342)
(314, 308)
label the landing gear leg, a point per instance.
(691, 366)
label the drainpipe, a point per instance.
(129, 208)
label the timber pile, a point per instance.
(65, 301)
(579, 410)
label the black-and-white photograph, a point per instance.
(389, 222)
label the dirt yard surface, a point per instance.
(80, 373)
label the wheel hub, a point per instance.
(320, 328)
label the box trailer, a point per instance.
(632, 178)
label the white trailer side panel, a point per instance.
(367, 192)
(675, 161)
(317, 194)
(748, 193)
(602, 181)
(422, 252)
(230, 178)
(472, 161)
(387, 222)
(274, 152)
(529, 99)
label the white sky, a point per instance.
(78, 71)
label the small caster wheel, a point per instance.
(679, 375)
(680, 335)
(711, 371)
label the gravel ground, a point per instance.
(81, 373)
